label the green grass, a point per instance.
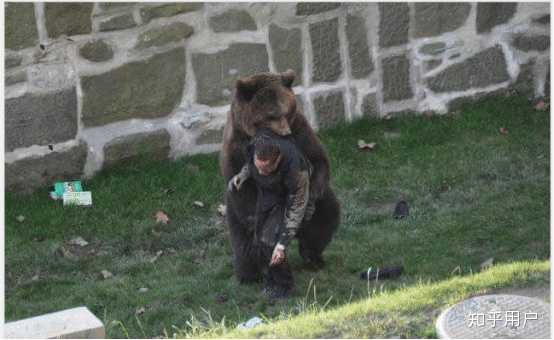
(473, 194)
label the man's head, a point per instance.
(267, 153)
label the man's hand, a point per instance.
(278, 256)
(236, 182)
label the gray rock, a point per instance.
(485, 68)
(305, 8)
(394, 22)
(41, 118)
(433, 48)
(142, 89)
(327, 66)
(12, 60)
(361, 64)
(118, 22)
(396, 78)
(20, 25)
(491, 14)
(233, 20)
(96, 51)
(148, 145)
(210, 136)
(543, 20)
(531, 43)
(433, 19)
(159, 36)
(152, 11)
(216, 73)
(286, 45)
(69, 18)
(369, 106)
(460, 103)
(26, 175)
(109, 6)
(524, 83)
(15, 77)
(432, 64)
(329, 109)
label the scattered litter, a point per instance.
(155, 258)
(20, 218)
(401, 210)
(362, 145)
(143, 290)
(487, 264)
(35, 278)
(66, 253)
(255, 321)
(503, 131)
(77, 198)
(140, 311)
(171, 250)
(106, 274)
(78, 241)
(39, 238)
(222, 209)
(382, 273)
(388, 117)
(161, 217)
(198, 204)
(62, 187)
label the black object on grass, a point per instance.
(401, 210)
(383, 273)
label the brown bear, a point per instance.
(267, 100)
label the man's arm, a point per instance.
(297, 200)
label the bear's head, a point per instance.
(264, 100)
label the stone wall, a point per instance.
(89, 85)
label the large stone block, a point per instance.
(151, 88)
(210, 136)
(396, 78)
(69, 18)
(118, 22)
(163, 35)
(485, 68)
(28, 174)
(18, 76)
(543, 20)
(361, 64)
(490, 14)
(161, 10)
(109, 6)
(233, 20)
(531, 43)
(433, 19)
(41, 118)
(286, 46)
(309, 8)
(20, 25)
(149, 145)
(329, 109)
(326, 63)
(525, 80)
(369, 106)
(96, 51)
(216, 73)
(394, 22)
(12, 60)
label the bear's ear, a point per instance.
(287, 78)
(246, 88)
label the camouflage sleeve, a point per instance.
(299, 188)
(240, 178)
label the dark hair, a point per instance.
(266, 147)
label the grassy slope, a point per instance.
(473, 194)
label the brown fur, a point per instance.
(267, 100)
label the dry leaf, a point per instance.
(162, 217)
(503, 131)
(155, 258)
(388, 117)
(487, 264)
(143, 290)
(34, 278)
(198, 204)
(78, 241)
(20, 218)
(222, 209)
(541, 105)
(140, 311)
(106, 274)
(66, 253)
(362, 145)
